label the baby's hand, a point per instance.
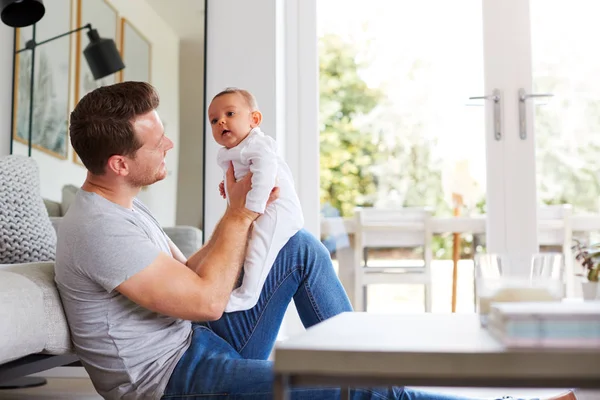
(222, 189)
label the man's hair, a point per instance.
(249, 97)
(101, 125)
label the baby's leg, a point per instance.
(270, 233)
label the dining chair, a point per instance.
(401, 228)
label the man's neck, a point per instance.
(119, 193)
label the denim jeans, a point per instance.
(227, 359)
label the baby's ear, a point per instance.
(256, 118)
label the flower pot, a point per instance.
(591, 290)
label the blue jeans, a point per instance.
(228, 358)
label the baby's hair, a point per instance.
(249, 97)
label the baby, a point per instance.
(235, 119)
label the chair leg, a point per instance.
(474, 291)
(428, 297)
(358, 301)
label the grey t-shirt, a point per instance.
(128, 351)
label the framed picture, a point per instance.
(105, 18)
(136, 52)
(51, 86)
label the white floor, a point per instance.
(82, 389)
(56, 389)
(395, 299)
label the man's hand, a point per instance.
(274, 195)
(237, 194)
(238, 191)
(222, 189)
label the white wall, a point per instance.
(6, 45)
(161, 198)
(277, 62)
(250, 64)
(192, 114)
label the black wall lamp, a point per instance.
(20, 13)
(101, 54)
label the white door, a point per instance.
(550, 147)
(397, 125)
(501, 50)
(566, 64)
(511, 183)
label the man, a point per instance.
(129, 294)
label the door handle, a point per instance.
(496, 97)
(523, 96)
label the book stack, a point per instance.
(557, 325)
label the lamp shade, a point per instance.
(102, 55)
(20, 13)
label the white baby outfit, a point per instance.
(278, 222)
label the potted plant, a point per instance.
(589, 258)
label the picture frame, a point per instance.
(136, 52)
(52, 82)
(105, 18)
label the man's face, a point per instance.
(231, 119)
(148, 166)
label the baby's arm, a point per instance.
(261, 156)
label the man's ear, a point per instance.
(118, 165)
(256, 118)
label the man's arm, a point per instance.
(196, 259)
(199, 291)
(197, 256)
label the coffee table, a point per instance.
(361, 349)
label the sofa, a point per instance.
(34, 335)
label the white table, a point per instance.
(361, 349)
(477, 224)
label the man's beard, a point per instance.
(147, 178)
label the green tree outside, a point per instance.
(347, 153)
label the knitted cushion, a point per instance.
(26, 233)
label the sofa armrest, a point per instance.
(187, 238)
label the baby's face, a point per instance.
(231, 119)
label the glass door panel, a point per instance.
(567, 126)
(397, 126)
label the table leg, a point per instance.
(344, 393)
(281, 387)
(458, 203)
(455, 258)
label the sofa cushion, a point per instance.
(26, 234)
(21, 317)
(187, 238)
(53, 208)
(56, 339)
(69, 192)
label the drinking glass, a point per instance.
(520, 278)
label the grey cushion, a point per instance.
(26, 234)
(56, 338)
(53, 208)
(21, 317)
(68, 196)
(187, 238)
